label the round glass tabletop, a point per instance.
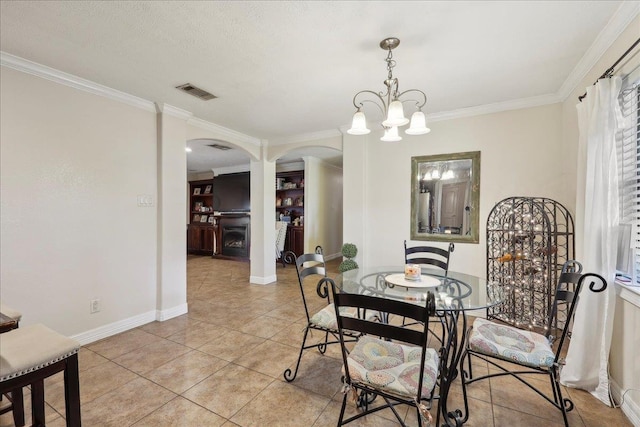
(455, 291)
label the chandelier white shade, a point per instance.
(390, 103)
(391, 135)
(395, 115)
(418, 124)
(359, 124)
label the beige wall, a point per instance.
(72, 166)
(520, 152)
(323, 207)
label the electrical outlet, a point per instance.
(95, 306)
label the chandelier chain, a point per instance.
(390, 64)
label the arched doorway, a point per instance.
(315, 219)
(219, 197)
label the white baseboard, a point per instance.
(333, 256)
(630, 406)
(105, 331)
(256, 280)
(162, 315)
(120, 326)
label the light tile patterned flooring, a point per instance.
(222, 365)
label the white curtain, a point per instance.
(588, 355)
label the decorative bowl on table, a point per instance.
(412, 272)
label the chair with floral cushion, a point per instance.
(533, 353)
(324, 321)
(389, 361)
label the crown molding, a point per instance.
(48, 73)
(232, 135)
(626, 13)
(306, 137)
(516, 104)
(174, 111)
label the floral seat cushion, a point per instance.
(326, 318)
(509, 343)
(392, 367)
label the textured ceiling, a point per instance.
(284, 68)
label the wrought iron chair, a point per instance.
(389, 361)
(532, 352)
(324, 320)
(428, 255)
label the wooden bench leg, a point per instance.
(72, 392)
(17, 401)
(37, 403)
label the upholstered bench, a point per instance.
(10, 312)
(32, 353)
(15, 402)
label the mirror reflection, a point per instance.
(445, 197)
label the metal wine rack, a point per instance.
(528, 241)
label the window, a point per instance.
(628, 150)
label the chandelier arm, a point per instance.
(418, 104)
(360, 104)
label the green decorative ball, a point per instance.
(347, 265)
(349, 250)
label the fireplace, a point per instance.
(235, 241)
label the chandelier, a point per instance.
(390, 104)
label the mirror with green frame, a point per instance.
(445, 197)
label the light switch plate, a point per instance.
(145, 200)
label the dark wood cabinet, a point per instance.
(200, 239)
(295, 240)
(201, 230)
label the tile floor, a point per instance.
(222, 365)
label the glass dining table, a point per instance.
(457, 296)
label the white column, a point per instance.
(263, 226)
(172, 221)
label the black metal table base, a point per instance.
(450, 356)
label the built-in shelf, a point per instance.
(290, 207)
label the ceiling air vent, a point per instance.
(196, 91)
(220, 147)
